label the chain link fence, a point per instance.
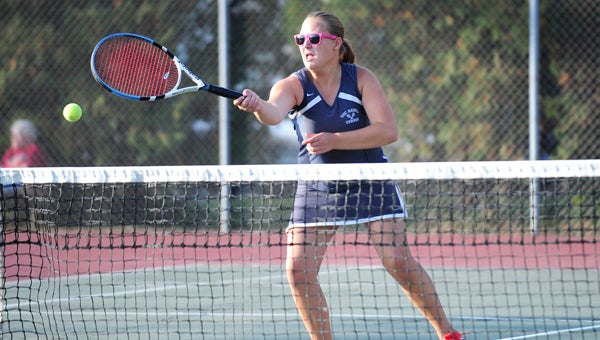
(456, 74)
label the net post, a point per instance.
(224, 226)
(533, 111)
(7, 192)
(224, 104)
(534, 206)
(2, 288)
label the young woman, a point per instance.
(341, 115)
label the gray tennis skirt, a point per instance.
(338, 203)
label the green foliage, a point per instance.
(456, 75)
(459, 79)
(113, 131)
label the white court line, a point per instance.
(157, 288)
(338, 315)
(560, 331)
(274, 316)
(83, 297)
(169, 286)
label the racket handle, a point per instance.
(223, 92)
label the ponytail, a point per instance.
(346, 53)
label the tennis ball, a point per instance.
(72, 112)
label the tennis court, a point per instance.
(140, 252)
(98, 249)
(240, 291)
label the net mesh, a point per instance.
(199, 252)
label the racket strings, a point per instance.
(136, 67)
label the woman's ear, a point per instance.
(339, 42)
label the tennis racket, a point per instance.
(138, 68)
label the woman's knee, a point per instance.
(401, 266)
(298, 273)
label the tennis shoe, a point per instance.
(455, 335)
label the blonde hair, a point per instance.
(335, 27)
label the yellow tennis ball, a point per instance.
(72, 112)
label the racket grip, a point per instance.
(223, 92)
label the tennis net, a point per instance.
(199, 251)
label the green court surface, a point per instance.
(252, 301)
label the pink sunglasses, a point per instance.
(314, 38)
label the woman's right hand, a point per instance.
(250, 101)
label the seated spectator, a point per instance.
(24, 150)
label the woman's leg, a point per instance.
(305, 251)
(389, 239)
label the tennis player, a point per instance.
(341, 115)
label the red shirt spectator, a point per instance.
(23, 151)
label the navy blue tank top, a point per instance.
(347, 113)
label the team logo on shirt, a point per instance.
(350, 115)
